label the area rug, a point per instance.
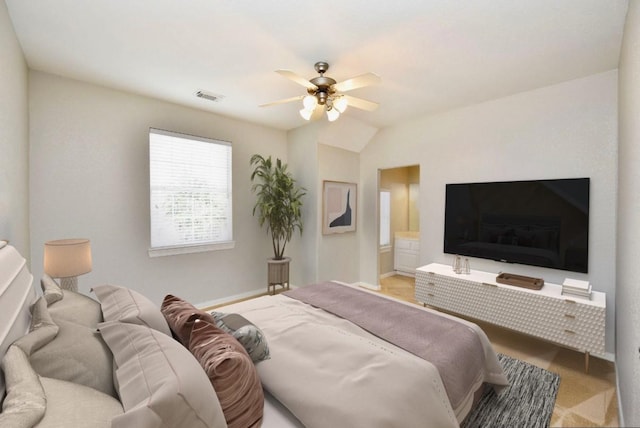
(527, 402)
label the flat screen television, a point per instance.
(535, 222)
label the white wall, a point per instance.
(628, 288)
(303, 164)
(89, 178)
(338, 253)
(565, 130)
(318, 257)
(14, 139)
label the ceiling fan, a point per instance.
(325, 94)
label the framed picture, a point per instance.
(339, 207)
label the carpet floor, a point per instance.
(527, 402)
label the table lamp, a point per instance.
(66, 259)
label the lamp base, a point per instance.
(70, 283)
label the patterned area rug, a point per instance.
(527, 402)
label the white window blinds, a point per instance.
(190, 190)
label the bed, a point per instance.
(274, 361)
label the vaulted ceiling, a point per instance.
(432, 55)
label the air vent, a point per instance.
(209, 96)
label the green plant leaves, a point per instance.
(278, 201)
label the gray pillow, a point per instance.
(245, 332)
(161, 383)
(73, 405)
(51, 289)
(76, 353)
(126, 305)
(77, 308)
(42, 330)
(25, 403)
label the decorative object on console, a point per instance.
(67, 259)
(520, 281)
(339, 207)
(577, 288)
(279, 206)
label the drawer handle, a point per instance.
(569, 301)
(430, 295)
(570, 332)
(570, 316)
(431, 284)
(490, 285)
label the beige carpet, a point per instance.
(584, 399)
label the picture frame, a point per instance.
(339, 207)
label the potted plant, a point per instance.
(279, 206)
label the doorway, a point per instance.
(398, 216)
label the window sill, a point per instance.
(172, 251)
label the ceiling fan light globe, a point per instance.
(332, 114)
(340, 104)
(306, 113)
(310, 102)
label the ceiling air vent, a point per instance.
(208, 96)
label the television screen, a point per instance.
(536, 222)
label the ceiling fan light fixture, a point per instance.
(340, 104)
(306, 113)
(332, 114)
(310, 102)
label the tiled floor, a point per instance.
(584, 399)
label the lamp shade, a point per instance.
(65, 258)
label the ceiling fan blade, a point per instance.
(360, 103)
(357, 82)
(297, 78)
(286, 100)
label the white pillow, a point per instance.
(160, 383)
(126, 305)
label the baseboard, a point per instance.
(236, 297)
(607, 356)
(230, 299)
(365, 285)
(388, 274)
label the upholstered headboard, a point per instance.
(16, 296)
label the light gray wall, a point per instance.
(90, 178)
(628, 288)
(338, 253)
(565, 130)
(319, 257)
(303, 164)
(14, 139)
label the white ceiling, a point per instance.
(432, 55)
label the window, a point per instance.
(385, 218)
(190, 193)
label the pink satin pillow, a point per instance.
(231, 372)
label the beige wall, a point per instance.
(14, 139)
(90, 178)
(628, 250)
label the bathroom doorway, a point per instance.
(398, 217)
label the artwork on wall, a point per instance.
(338, 207)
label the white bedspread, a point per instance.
(329, 372)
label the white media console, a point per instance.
(572, 322)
